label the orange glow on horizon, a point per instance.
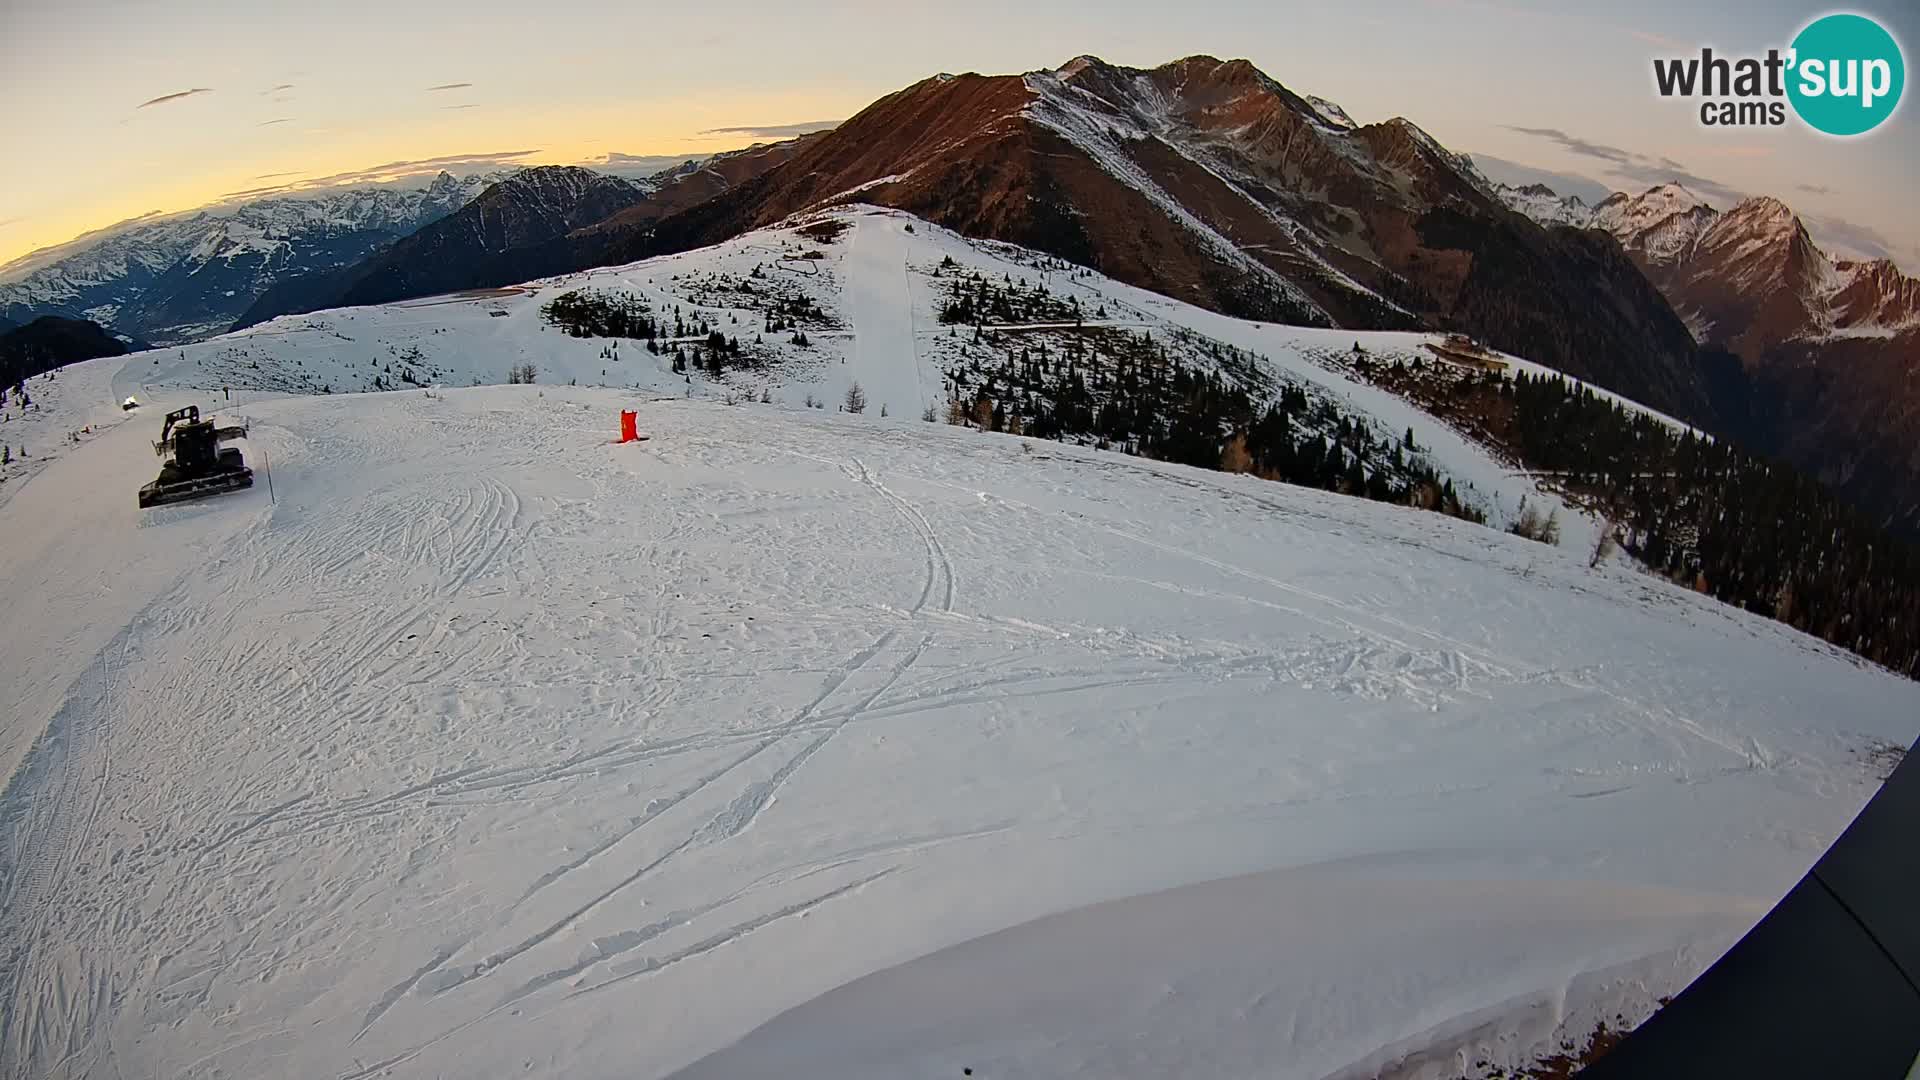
(580, 137)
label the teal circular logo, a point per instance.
(1847, 74)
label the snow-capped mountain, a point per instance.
(1748, 278)
(698, 179)
(1203, 179)
(1751, 277)
(1212, 182)
(529, 207)
(522, 227)
(1872, 296)
(1546, 206)
(1659, 226)
(1820, 354)
(1829, 352)
(187, 276)
(1331, 112)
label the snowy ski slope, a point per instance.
(487, 747)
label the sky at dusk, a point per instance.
(118, 108)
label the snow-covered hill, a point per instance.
(186, 276)
(877, 293)
(478, 744)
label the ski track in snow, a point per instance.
(882, 310)
(492, 747)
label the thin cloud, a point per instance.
(1576, 145)
(164, 98)
(1849, 238)
(1642, 169)
(275, 175)
(774, 131)
(1653, 175)
(393, 171)
(663, 161)
(468, 105)
(269, 123)
(1815, 189)
(272, 189)
(1563, 183)
(636, 165)
(1661, 40)
(4, 222)
(1483, 8)
(276, 89)
(448, 86)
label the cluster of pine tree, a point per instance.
(1742, 528)
(782, 305)
(792, 313)
(587, 313)
(974, 299)
(409, 367)
(824, 232)
(713, 355)
(1115, 388)
(388, 379)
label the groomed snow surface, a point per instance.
(790, 743)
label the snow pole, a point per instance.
(267, 464)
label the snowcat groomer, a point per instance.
(196, 464)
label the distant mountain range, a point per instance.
(453, 252)
(518, 228)
(1818, 357)
(1748, 279)
(187, 276)
(183, 277)
(1202, 179)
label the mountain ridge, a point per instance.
(1811, 357)
(1202, 178)
(1731, 272)
(1210, 181)
(181, 277)
(519, 228)
(49, 342)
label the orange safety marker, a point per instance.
(629, 426)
